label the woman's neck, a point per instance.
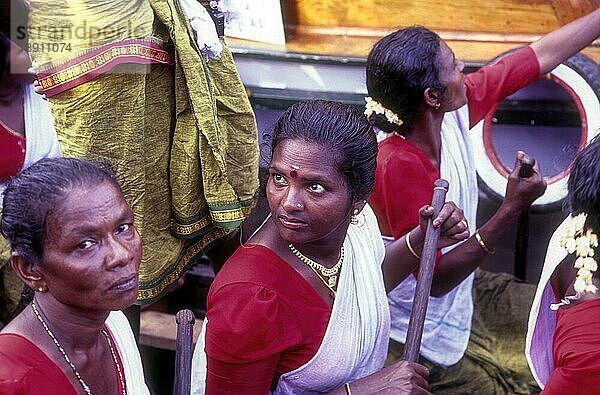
(325, 251)
(11, 106)
(10, 90)
(75, 328)
(426, 134)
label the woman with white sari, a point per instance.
(301, 308)
(562, 346)
(74, 244)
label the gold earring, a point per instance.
(437, 105)
(41, 289)
(354, 218)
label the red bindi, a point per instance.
(294, 171)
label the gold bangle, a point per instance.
(348, 389)
(482, 244)
(412, 251)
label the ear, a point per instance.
(27, 272)
(432, 97)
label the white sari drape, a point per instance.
(127, 348)
(542, 320)
(39, 129)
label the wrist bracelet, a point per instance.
(348, 389)
(412, 251)
(482, 244)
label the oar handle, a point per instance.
(419, 308)
(527, 163)
(183, 352)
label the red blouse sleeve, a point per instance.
(25, 369)
(577, 379)
(403, 187)
(248, 328)
(493, 83)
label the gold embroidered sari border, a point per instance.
(149, 292)
(89, 65)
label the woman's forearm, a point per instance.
(459, 263)
(558, 45)
(400, 261)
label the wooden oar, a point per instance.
(522, 238)
(417, 315)
(183, 352)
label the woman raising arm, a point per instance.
(424, 103)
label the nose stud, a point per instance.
(299, 205)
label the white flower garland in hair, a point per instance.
(373, 106)
(582, 244)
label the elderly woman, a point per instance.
(73, 242)
(424, 103)
(301, 307)
(562, 339)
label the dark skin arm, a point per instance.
(457, 264)
(399, 262)
(560, 44)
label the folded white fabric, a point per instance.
(204, 28)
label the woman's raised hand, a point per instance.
(521, 192)
(451, 220)
(37, 87)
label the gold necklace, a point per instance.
(84, 385)
(329, 276)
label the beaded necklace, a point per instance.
(329, 276)
(84, 385)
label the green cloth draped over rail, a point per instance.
(182, 138)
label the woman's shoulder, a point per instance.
(256, 275)
(26, 369)
(249, 311)
(399, 154)
(18, 354)
(255, 263)
(10, 341)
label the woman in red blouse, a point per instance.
(13, 77)
(301, 307)
(73, 242)
(421, 99)
(562, 347)
(575, 348)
